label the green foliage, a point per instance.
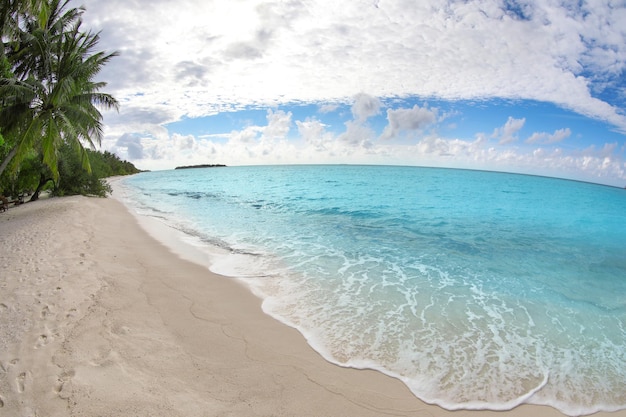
(48, 96)
(29, 174)
(14, 183)
(49, 101)
(74, 179)
(107, 164)
(33, 174)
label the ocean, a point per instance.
(478, 290)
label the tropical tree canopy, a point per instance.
(48, 93)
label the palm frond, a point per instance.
(52, 97)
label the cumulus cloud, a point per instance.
(247, 135)
(131, 146)
(601, 165)
(312, 142)
(279, 123)
(313, 133)
(365, 106)
(412, 119)
(328, 107)
(543, 137)
(508, 133)
(183, 143)
(357, 134)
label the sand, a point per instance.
(99, 319)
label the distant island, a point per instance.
(201, 166)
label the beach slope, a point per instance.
(99, 319)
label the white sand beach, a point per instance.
(99, 319)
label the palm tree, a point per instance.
(51, 97)
(12, 10)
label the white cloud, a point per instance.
(559, 135)
(193, 58)
(313, 133)
(270, 143)
(508, 133)
(279, 124)
(543, 137)
(248, 135)
(184, 143)
(365, 106)
(357, 134)
(412, 119)
(328, 108)
(130, 146)
(198, 57)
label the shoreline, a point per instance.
(98, 317)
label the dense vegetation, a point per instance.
(201, 166)
(33, 176)
(50, 122)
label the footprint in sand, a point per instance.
(1, 402)
(3, 307)
(20, 381)
(4, 367)
(45, 312)
(71, 313)
(42, 340)
(62, 381)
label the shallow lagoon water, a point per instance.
(479, 290)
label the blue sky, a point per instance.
(522, 86)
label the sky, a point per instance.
(529, 86)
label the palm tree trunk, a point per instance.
(8, 159)
(42, 181)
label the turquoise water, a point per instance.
(478, 290)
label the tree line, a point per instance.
(50, 101)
